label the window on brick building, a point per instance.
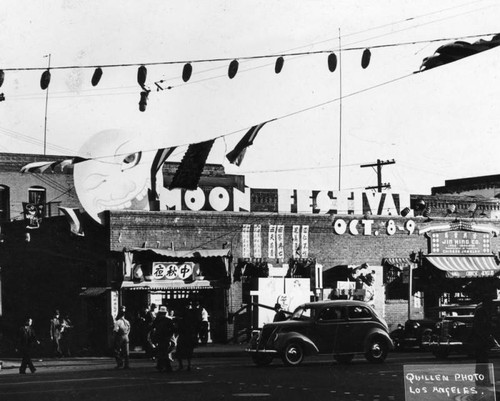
(4, 203)
(37, 195)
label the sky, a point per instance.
(436, 125)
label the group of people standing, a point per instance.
(166, 336)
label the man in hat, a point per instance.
(280, 313)
(162, 333)
(25, 341)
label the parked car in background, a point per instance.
(409, 335)
(342, 328)
(452, 332)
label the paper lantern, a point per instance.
(45, 80)
(97, 76)
(279, 65)
(143, 101)
(142, 73)
(332, 62)
(233, 69)
(365, 58)
(186, 72)
(2, 77)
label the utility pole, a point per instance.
(46, 105)
(379, 165)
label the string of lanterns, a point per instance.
(232, 71)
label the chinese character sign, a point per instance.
(245, 241)
(257, 241)
(304, 242)
(280, 242)
(271, 253)
(172, 271)
(296, 248)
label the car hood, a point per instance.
(289, 323)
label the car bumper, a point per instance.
(261, 351)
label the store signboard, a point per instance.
(172, 271)
(460, 242)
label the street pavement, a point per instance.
(11, 365)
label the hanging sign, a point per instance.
(245, 241)
(271, 253)
(304, 242)
(296, 241)
(280, 242)
(257, 241)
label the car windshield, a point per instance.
(302, 312)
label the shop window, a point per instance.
(37, 195)
(4, 203)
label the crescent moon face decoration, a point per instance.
(116, 175)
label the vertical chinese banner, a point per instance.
(280, 242)
(245, 241)
(304, 242)
(257, 241)
(296, 241)
(271, 249)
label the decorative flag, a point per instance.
(304, 242)
(45, 80)
(280, 242)
(161, 156)
(189, 171)
(233, 69)
(296, 241)
(238, 153)
(51, 165)
(73, 216)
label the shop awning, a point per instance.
(465, 266)
(400, 263)
(170, 285)
(188, 254)
(93, 291)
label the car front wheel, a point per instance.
(377, 350)
(293, 354)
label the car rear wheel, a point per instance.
(377, 350)
(262, 359)
(293, 354)
(344, 358)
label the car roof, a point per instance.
(334, 302)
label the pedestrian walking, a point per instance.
(121, 341)
(149, 319)
(55, 334)
(204, 326)
(162, 337)
(26, 340)
(187, 336)
(66, 335)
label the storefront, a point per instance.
(172, 278)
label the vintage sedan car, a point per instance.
(409, 335)
(342, 328)
(452, 332)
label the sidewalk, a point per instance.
(207, 351)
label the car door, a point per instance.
(329, 329)
(359, 322)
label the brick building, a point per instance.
(238, 250)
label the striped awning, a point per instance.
(465, 266)
(170, 285)
(400, 263)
